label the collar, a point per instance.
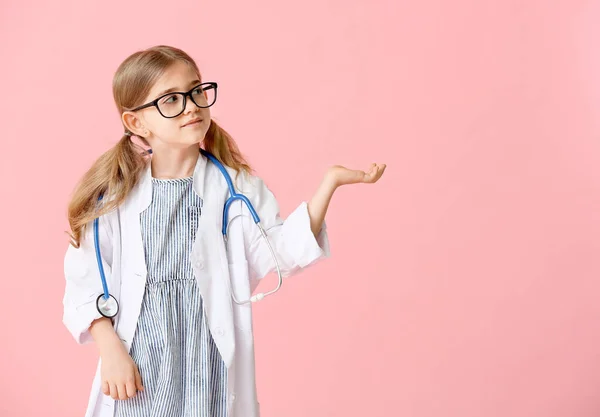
(143, 190)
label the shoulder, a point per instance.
(109, 221)
(252, 186)
(248, 183)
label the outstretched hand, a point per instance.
(341, 175)
(336, 176)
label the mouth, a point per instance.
(192, 122)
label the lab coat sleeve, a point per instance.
(82, 280)
(292, 239)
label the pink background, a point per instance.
(465, 283)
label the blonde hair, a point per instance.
(115, 173)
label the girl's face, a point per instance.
(175, 132)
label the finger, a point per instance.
(371, 175)
(138, 380)
(105, 388)
(114, 393)
(130, 388)
(378, 172)
(122, 391)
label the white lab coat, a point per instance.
(243, 261)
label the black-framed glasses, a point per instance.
(173, 104)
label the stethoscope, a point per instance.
(107, 304)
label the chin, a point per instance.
(197, 139)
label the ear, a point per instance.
(133, 123)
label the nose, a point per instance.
(190, 106)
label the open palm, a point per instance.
(343, 175)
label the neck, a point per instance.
(174, 163)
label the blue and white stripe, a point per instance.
(181, 369)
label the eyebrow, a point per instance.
(175, 88)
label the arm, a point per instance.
(301, 240)
(292, 239)
(104, 335)
(82, 281)
(319, 203)
(335, 177)
(120, 376)
(119, 373)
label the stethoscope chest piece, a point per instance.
(108, 307)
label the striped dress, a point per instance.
(181, 369)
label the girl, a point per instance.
(179, 345)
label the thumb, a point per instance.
(138, 380)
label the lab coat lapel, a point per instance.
(209, 260)
(133, 263)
